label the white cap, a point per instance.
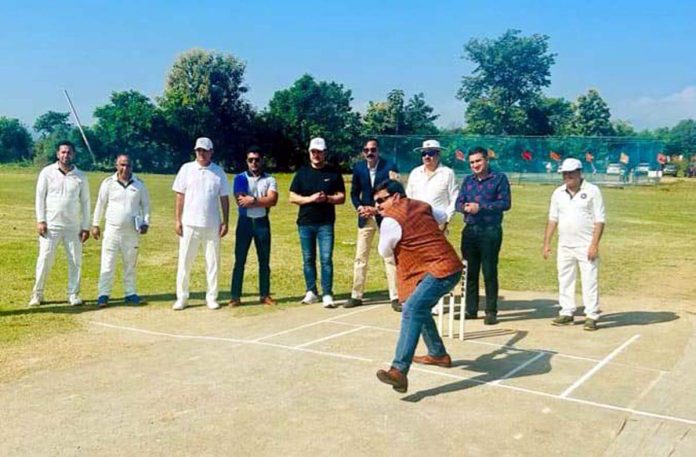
(203, 143)
(570, 165)
(317, 143)
(430, 144)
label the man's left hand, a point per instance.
(223, 230)
(84, 235)
(592, 252)
(471, 208)
(245, 201)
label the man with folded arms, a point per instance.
(201, 189)
(126, 201)
(62, 216)
(427, 267)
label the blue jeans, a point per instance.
(310, 236)
(416, 318)
(258, 230)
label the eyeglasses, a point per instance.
(369, 150)
(381, 200)
(430, 153)
(253, 160)
(126, 165)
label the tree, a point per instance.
(131, 123)
(51, 122)
(394, 117)
(682, 138)
(550, 116)
(623, 128)
(509, 75)
(204, 96)
(15, 140)
(418, 116)
(592, 115)
(308, 109)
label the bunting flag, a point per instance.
(589, 157)
(661, 158)
(492, 154)
(526, 155)
(624, 159)
(459, 155)
(555, 156)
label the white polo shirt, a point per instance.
(577, 215)
(62, 199)
(202, 188)
(122, 202)
(440, 189)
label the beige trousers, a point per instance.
(362, 257)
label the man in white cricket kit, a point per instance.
(62, 216)
(199, 186)
(577, 209)
(124, 198)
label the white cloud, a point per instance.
(652, 112)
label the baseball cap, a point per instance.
(570, 165)
(317, 143)
(203, 143)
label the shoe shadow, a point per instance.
(519, 310)
(635, 318)
(506, 362)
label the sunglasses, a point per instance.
(316, 151)
(430, 153)
(369, 150)
(253, 160)
(381, 200)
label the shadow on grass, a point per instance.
(503, 363)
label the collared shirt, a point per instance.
(577, 215)
(62, 199)
(390, 232)
(202, 188)
(439, 189)
(123, 203)
(254, 186)
(373, 172)
(492, 193)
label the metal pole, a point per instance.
(79, 126)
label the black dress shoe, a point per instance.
(396, 306)
(352, 302)
(490, 319)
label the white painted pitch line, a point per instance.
(598, 367)
(332, 336)
(311, 324)
(645, 391)
(519, 368)
(558, 397)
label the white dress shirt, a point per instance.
(390, 232)
(577, 216)
(438, 189)
(202, 188)
(62, 199)
(123, 203)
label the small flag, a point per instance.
(661, 158)
(526, 155)
(555, 156)
(589, 157)
(459, 155)
(624, 158)
(492, 154)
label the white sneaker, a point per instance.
(179, 305)
(309, 298)
(213, 305)
(35, 300)
(74, 300)
(328, 302)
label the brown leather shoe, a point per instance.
(394, 378)
(268, 300)
(233, 303)
(442, 361)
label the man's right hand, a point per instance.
(42, 228)
(96, 233)
(179, 229)
(546, 251)
(319, 197)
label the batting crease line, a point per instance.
(599, 366)
(326, 338)
(413, 368)
(519, 368)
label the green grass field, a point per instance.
(648, 249)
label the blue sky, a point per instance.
(640, 55)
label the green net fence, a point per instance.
(623, 160)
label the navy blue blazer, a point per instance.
(361, 189)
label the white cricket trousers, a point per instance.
(362, 257)
(48, 245)
(568, 259)
(117, 242)
(188, 249)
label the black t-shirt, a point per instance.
(308, 181)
